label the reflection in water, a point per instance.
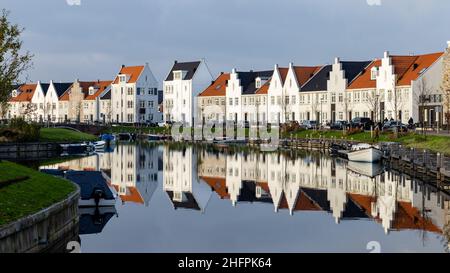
(308, 182)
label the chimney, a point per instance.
(275, 67)
(123, 66)
(291, 64)
(176, 62)
(233, 71)
(386, 54)
(337, 60)
(221, 72)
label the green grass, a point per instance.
(59, 134)
(30, 196)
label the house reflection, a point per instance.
(308, 182)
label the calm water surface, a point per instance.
(192, 200)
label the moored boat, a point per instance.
(364, 153)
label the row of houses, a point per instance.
(131, 97)
(396, 87)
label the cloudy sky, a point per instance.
(91, 40)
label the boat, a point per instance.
(364, 153)
(76, 148)
(93, 220)
(108, 138)
(366, 169)
(94, 190)
(99, 145)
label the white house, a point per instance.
(134, 97)
(181, 87)
(54, 110)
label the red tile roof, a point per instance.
(304, 73)
(132, 71)
(218, 87)
(409, 217)
(26, 93)
(364, 79)
(420, 63)
(100, 86)
(132, 195)
(263, 89)
(283, 73)
(218, 184)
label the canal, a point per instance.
(189, 199)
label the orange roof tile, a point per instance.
(101, 86)
(363, 201)
(218, 87)
(364, 80)
(65, 96)
(132, 71)
(304, 73)
(218, 184)
(263, 89)
(420, 63)
(132, 195)
(304, 203)
(409, 217)
(26, 93)
(283, 73)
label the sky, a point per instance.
(91, 39)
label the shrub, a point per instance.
(353, 131)
(18, 130)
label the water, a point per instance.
(192, 200)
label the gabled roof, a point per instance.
(420, 64)
(263, 90)
(100, 86)
(218, 87)
(319, 81)
(188, 203)
(363, 80)
(61, 88)
(247, 80)
(133, 72)
(189, 67)
(353, 69)
(132, 195)
(107, 95)
(218, 184)
(304, 73)
(283, 73)
(25, 93)
(45, 87)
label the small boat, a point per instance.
(364, 153)
(152, 137)
(77, 148)
(108, 138)
(99, 145)
(94, 190)
(366, 169)
(93, 220)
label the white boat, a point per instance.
(98, 145)
(364, 168)
(364, 153)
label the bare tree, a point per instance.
(29, 111)
(373, 102)
(422, 97)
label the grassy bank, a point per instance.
(413, 140)
(26, 197)
(131, 129)
(58, 134)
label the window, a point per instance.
(130, 91)
(258, 83)
(374, 73)
(230, 101)
(341, 98)
(236, 101)
(286, 100)
(177, 75)
(122, 78)
(130, 104)
(293, 100)
(272, 100)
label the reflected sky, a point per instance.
(190, 200)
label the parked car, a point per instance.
(339, 125)
(364, 123)
(392, 125)
(309, 124)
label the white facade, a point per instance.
(134, 97)
(181, 88)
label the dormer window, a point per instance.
(177, 75)
(258, 83)
(14, 94)
(122, 78)
(91, 91)
(374, 73)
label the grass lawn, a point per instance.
(29, 196)
(59, 134)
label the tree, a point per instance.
(422, 97)
(29, 111)
(373, 102)
(13, 62)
